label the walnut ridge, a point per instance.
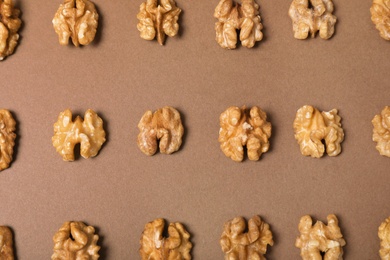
(381, 132)
(384, 236)
(9, 26)
(6, 244)
(380, 16)
(7, 138)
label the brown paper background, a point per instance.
(121, 76)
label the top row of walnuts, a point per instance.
(78, 20)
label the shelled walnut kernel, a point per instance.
(384, 236)
(380, 16)
(6, 244)
(9, 26)
(381, 132)
(7, 138)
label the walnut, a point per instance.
(75, 241)
(6, 244)
(153, 246)
(244, 17)
(164, 125)
(384, 236)
(9, 26)
(161, 18)
(381, 132)
(320, 238)
(240, 127)
(380, 16)
(310, 17)
(89, 133)
(311, 127)
(7, 138)
(77, 19)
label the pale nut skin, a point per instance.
(380, 16)
(384, 236)
(154, 246)
(7, 138)
(381, 131)
(9, 26)
(320, 238)
(240, 245)
(6, 244)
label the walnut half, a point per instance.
(381, 132)
(7, 138)
(9, 26)
(384, 236)
(380, 16)
(6, 244)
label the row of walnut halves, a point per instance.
(239, 240)
(78, 20)
(315, 131)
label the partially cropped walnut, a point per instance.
(312, 126)
(154, 246)
(89, 133)
(312, 16)
(160, 19)
(384, 236)
(75, 241)
(9, 26)
(240, 127)
(77, 19)
(380, 16)
(7, 138)
(232, 17)
(320, 239)
(381, 132)
(238, 244)
(6, 244)
(164, 125)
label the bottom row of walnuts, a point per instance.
(239, 240)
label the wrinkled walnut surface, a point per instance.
(231, 17)
(163, 125)
(312, 126)
(309, 17)
(243, 127)
(384, 236)
(7, 138)
(9, 26)
(238, 244)
(320, 238)
(76, 19)
(380, 16)
(176, 246)
(75, 241)
(158, 19)
(381, 132)
(89, 133)
(6, 244)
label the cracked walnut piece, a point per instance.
(7, 138)
(77, 19)
(244, 17)
(384, 236)
(320, 238)
(160, 19)
(381, 132)
(164, 125)
(154, 246)
(238, 244)
(240, 127)
(75, 241)
(9, 26)
(89, 133)
(312, 126)
(6, 244)
(312, 16)
(380, 16)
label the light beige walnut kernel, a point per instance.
(7, 138)
(76, 19)
(384, 236)
(89, 133)
(176, 246)
(381, 132)
(244, 17)
(9, 26)
(163, 125)
(243, 127)
(309, 17)
(320, 239)
(312, 126)
(6, 244)
(75, 241)
(380, 16)
(238, 244)
(158, 19)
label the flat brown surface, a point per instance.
(121, 76)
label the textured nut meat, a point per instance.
(75, 241)
(9, 26)
(238, 244)
(160, 19)
(312, 16)
(164, 125)
(312, 126)
(381, 132)
(320, 238)
(240, 127)
(77, 19)
(380, 16)
(7, 138)
(232, 17)
(384, 236)
(154, 246)
(89, 133)
(6, 244)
